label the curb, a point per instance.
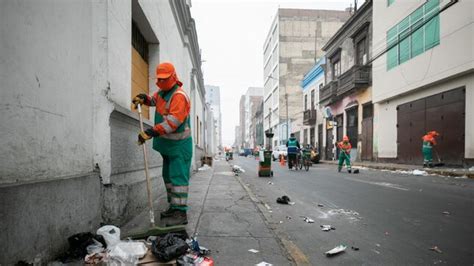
(294, 253)
(394, 168)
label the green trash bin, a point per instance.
(265, 166)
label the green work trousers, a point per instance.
(343, 156)
(177, 156)
(427, 155)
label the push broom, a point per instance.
(153, 230)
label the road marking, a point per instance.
(382, 184)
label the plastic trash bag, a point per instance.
(110, 233)
(169, 247)
(127, 252)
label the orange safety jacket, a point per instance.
(346, 147)
(173, 107)
(430, 139)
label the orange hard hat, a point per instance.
(345, 138)
(164, 70)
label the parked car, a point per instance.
(279, 150)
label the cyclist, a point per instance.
(293, 147)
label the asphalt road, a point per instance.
(393, 218)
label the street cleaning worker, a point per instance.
(428, 142)
(293, 148)
(345, 154)
(171, 138)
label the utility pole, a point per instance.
(287, 116)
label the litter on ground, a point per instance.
(204, 167)
(436, 249)
(307, 219)
(336, 250)
(253, 250)
(283, 200)
(263, 263)
(327, 227)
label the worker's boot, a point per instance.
(177, 218)
(168, 213)
(339, 169)
(349, 170)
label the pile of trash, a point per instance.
(106, 248)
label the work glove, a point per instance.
(146, 135)
(139, 99)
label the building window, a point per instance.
(361, 52)
(140, 66)
(336, 69)
(414, 35)
(306, 102)
(312, 99)
(389, 2)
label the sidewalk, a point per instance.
(445, 171)
(225, 220)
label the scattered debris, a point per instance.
(446, 213)
(263, 263)
(281, 222)
(376, 251)
(327, 227)
(270, 182)
(336, 250)
(471, 169)
(307, 219)
(356, 171)
(320, 205)
(355, 248)
(78, 246)
(283, 200)
(386, 233)
(378, 245)
(253, 250)
(288, 217)
(291, 203)
(237, 169)
(461, 177)
(127, 252)
(419, 172)
(205, 167)
(436, 249)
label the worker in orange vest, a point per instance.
(345, 154)
(171, 138)
(428, 142)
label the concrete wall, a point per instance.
(45, 91)
(446, 66)
(385, 120)
(452, 56)
(69, 157)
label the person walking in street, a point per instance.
(293, 148)
(171, 138)
(345, 154)
(428, 142)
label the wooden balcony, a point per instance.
(355, 78)
(309, 117)
(328, 91)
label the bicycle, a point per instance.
(307, 159)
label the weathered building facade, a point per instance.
(69, 72)
(313, 121)
(347, 94)
(293, 44)
(424, 79)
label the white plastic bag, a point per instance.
(110, 233)
(127, 252)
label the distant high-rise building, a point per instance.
(248, 108)
(213, 98)
(292, 46)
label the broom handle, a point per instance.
(148, 181)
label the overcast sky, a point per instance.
(231, 35)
